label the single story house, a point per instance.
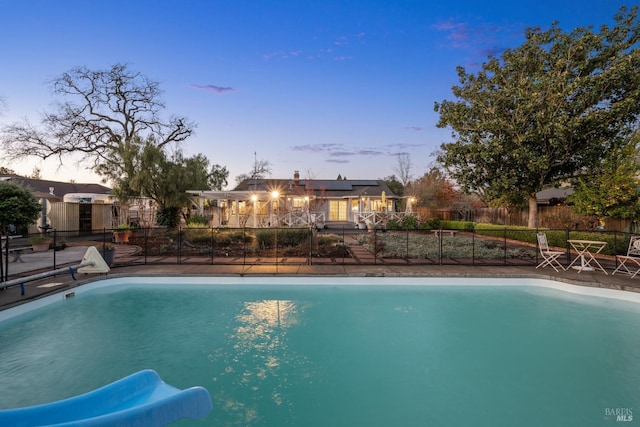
(68, 206)
(299, 202)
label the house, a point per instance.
(68, 206)
(299, 202)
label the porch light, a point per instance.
(254, 197)
(275, 195)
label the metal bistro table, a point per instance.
(587, 251)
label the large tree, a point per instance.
(543, 112)
(166, 179)
(99, 115)
(18, 206)
(611, 190)
(433, 189)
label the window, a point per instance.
(337, 210)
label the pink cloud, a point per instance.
(212, 88)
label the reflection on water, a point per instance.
(258, 361)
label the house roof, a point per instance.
(319, 187)
(42, 187)
(553, 196)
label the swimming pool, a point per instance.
(339, 351)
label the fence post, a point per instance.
(277, 228)
(504, 237)
(375, 245)
(440, 247)
(312, 232)
(54, 248)
(566, 244)
(147, 232)
(406, 254)
(473, 246)
(244, 246)
(179, 245)
(211, 245)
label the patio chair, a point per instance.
(632, 257)
(549, 257)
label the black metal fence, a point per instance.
(300, 246)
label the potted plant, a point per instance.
(107, 251)
(121, 233)
(40, 242)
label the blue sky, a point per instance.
(321, 87)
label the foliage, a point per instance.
(408, 222)
(420, 245)
(433, 189)
(611, 190)
(18, 206)
(6, 171)
(197, 220)
(285, 237)
(100, 115)
(166, 179)
(168, 216)
(327, 239)
(122, 227)
(39, 239)
(394, 185)
(431, 223)
(543, 112)
(457, 225)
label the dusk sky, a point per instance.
(322, 87)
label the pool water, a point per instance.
(334, 355)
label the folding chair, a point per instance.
(632, 257)
(549, 257)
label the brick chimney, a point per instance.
(296, 177)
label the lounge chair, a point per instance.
(632, 258)
(549, 257)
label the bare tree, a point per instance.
(403, 168)
(100, 115)
(261, 169)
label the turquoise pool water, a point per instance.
(340, 355)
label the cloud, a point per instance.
(416, 128)
(315, 147)
(212, 88)
(481, 39)
(457, 32)
(339, 153)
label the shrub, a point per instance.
(431, 224)
(286, 237)
(394, 224)
(197, 220)
(457, 225)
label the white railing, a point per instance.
(301, 219)
(376, 218)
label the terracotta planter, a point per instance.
(121, 236)
(40, 247)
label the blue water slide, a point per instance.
(141, 399)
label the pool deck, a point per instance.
(63, 282)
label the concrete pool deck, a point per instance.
(46, 286)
